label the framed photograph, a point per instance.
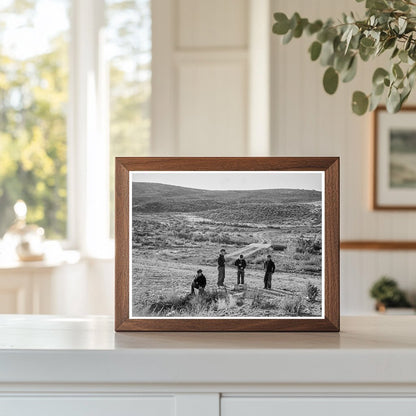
(394, 179)
(227, 244)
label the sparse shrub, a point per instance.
(199, 237)
(279, 247)
(294, 306)
(256, 300)
(317, 245)
(312, 269)
(221, 304)
(312, 291)
(308, 245)
(240, 301)
(225, 238)
(266, 304)
(287, 266)
(232, 302)
(183, 235)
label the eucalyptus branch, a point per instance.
(389, 25)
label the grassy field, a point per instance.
(172, 239)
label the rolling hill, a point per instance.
(264, 205)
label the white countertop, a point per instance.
(46, 349)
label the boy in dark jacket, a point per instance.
(221, 268)
(269, 269)
(198, 283)
(241, 264)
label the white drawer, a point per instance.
(87, 406)
(273, 406)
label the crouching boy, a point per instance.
(198, 283)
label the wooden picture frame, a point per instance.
(391, 178)
(132, 167)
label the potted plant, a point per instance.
(387, 294)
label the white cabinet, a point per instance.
(269, 406)
(88, 406)
(52, 365)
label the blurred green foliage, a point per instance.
(33, 109)
(129, 35)
(33, 96)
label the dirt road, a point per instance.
(249, 250)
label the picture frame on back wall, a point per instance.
(227, 244)
(394, 159)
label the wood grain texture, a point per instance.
(378, 245)
(330, 165)
(376, 205)
(121, 244)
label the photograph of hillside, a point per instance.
(200, 252)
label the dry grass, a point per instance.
(169, 248)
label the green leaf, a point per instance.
(288, 37)
(374, 101)
(327, 53)
(402, 24)
(400, 5)
(341, 61)
(376, 4)
(294, 20)
(330, 80)
(403, 56)
(314, 27)
(397, 71)
(379, 75)
(322, 36)
(315, 50)
(404, 95)
(393, 101)
(359, 103)
(395, 52)
(298, 30)
(378, 89)
(389, 43)
(281, 27)
(408, 42)
(367, 42)
(351, 71)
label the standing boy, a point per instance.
(221, 268)
(269, 269)
(241, 264)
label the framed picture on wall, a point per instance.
(394, 159)
(227, 244)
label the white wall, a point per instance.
(201, 83)
(211, 92)
(308, 122)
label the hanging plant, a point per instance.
(389, 27)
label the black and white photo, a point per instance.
(227, 244)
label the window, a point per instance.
(33, 101)
(129, 43)
(75, 87)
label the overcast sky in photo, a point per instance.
(234, 180)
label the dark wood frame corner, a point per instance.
(375, 205)
(330, 165)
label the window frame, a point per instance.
(87, 133)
